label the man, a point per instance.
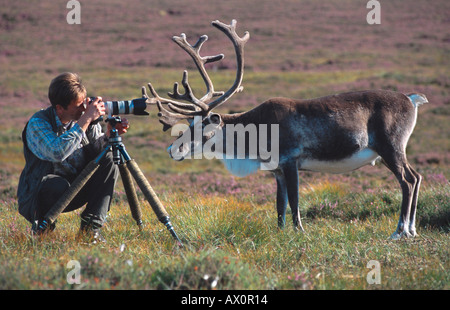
(58, 143)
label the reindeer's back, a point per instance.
(343, 122)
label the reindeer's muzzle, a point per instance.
(179, 151)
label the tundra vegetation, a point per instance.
(228, 223)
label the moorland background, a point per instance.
(300, 49)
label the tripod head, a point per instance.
(114, 120)
(115, 141)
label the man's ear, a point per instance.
(59, 110)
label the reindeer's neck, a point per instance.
(251, 162)
(237, 118)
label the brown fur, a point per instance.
(336, 127)
(335, 133)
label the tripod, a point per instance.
(128, 168)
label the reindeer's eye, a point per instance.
(215, 119)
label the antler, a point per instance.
(200, 62)
(167, 118)
(238, 42)
(178, 110)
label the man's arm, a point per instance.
(100, 138)
(46, 145)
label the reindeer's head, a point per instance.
(198, 112)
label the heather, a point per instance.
(300, 49)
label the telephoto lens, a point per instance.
(134, 106)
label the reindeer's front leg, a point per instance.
(290, 172)
(282, 198)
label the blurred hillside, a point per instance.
(298, 49)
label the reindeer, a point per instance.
(335, 134)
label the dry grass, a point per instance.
(235, 242)
(229, 224)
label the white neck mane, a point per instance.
(241, 167)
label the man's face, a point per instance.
(74, 110)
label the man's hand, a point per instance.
(94, 109)
(121, 127)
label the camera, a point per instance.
(134, 106)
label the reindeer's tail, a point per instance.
(417, 99)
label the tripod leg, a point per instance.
(71, 192)
(131, 194)
(150, 194)
(68, 195)
(147, 190)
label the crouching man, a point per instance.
(58, 142)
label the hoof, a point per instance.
(399, 235)
(299, 229)
(281, 222)
(281, 226)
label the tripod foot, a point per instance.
(166, 221)
(140, 225)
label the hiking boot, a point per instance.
(41, 227)
(90, 229)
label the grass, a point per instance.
(228, 224)
(232, 243)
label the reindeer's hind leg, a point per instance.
(409, 181)
(412, 217)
